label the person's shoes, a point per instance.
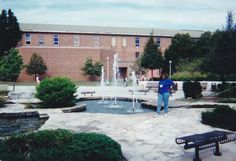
(165, 114)
(156, 115)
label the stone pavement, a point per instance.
(142, 137)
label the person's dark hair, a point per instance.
(163, 74)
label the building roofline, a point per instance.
(105, 30)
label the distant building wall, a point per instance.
(68, 55)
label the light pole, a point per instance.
(170, 68)
(107, 70)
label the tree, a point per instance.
(204, 44)
(152, 56)
(229, 22)
(182, 47)
(11, 66)
(91, 69)
(10, 33)
(139, 70)
(36, 66)
(222, 59)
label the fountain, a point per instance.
(135, 105)
(102, 85)
(115, 74)
(113, 105)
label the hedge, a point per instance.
(220, 116)
(60, 145)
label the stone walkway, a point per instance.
(142, 137)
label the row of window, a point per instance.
(77, 40)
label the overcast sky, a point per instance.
(163, 14)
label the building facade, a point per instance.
(65, 48)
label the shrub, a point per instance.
(192, 89)
(56, 92)
(221, 116)
(2, 101)
(227, 90)
(60, 145)
(187, 76)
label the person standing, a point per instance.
(37, 79)
(164, 91)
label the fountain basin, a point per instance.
(123, 106)
(20, 122)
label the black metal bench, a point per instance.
(206, 140)
(88, 92)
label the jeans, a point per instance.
(163, 98)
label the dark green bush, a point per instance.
(192, 89)
(56, 92)
(60, 145)
(227, 90)
(221, 116)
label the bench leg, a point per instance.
(196, 158)
(217, 152)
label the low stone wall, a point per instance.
(4, 88)
(78, 108)
(21, 95)
(206, 85)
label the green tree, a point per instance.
(182, 47)
(10, 33)
(204, 44)
(139, 70)
(11, 66)
(152, 56)
(92, 70)
(222, 58)
(36, 66)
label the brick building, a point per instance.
(65, 48)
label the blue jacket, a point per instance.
(165, 85)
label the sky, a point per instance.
(207, 15)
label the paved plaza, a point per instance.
(142, 137)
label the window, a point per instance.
(137, 41)
(41, 40)
(136, 54)
(27, 39)
(113, 41)
(96, 41)
(158, 42)
(124, 42)
(56, 40)
(76, 40)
